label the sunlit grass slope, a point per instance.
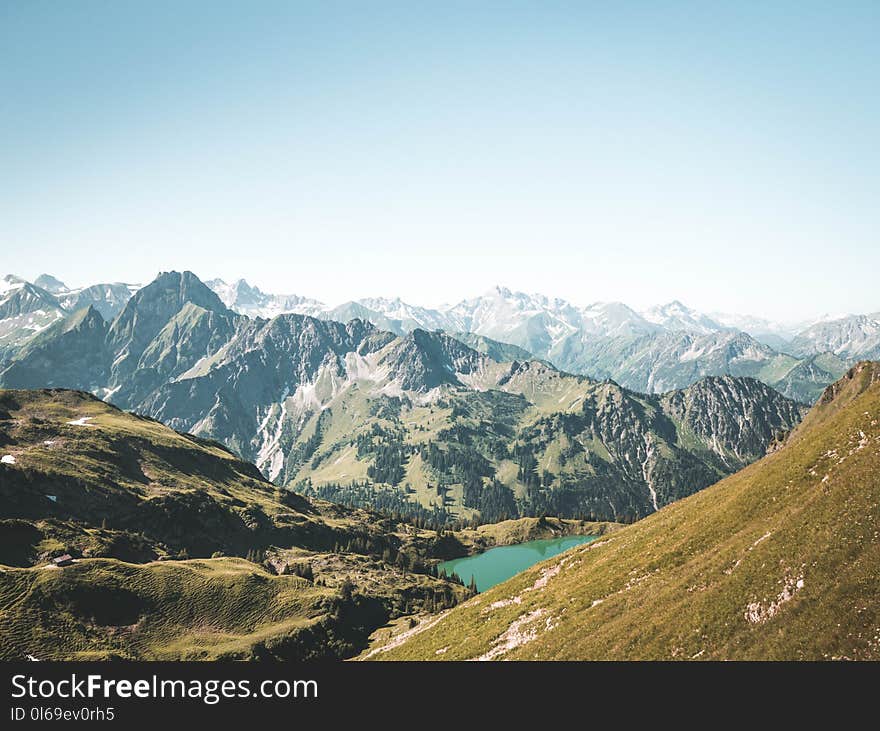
(159, 524)
(102, 608)
(779, 561)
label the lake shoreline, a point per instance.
(473, 541)
(500, 563)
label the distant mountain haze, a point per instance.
(664, 347)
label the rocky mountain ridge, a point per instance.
(420, 423)
(664, 347)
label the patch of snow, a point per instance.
(271, 452)
(7, 459)
(105, 393)
(11, 282)
(81, 421)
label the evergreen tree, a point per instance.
(346, 590)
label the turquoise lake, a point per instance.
(499, 564)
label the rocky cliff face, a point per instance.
(238, 393)
(149, 311)
(70, 352)
(422, 361)
(735, 417)
(853, 337)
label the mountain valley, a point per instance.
(780, 561)
(184, 481)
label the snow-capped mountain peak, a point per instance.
(51, 284)
(615, 318)
(9, 282)
(677, 317)
(851, 337)
(250, 300)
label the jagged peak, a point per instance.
(51, 284)
(11, 280)
(86, 313)
(727, 381)
(188, 287)
(21, 296)
(241, 285)
(422, 337)
(291, 322)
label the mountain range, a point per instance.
(174, 546)
(28, 308)
(419, 423)
(541, 325)
(664, 347)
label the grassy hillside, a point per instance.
(779, 561)
(160, 525)
(172, 610)
(225, 608)
(80, 474)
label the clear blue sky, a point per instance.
(725, 154)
